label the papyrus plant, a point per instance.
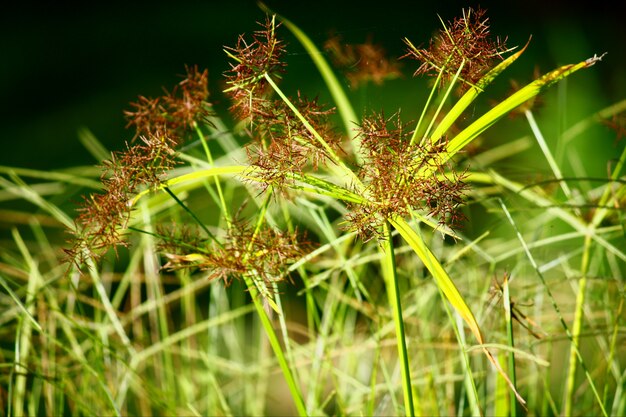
(392, 177)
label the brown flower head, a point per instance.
(463, 42)
(252, 61)
(160, 123)
(265, 254)
(283, 146)
(175, 111)
(361, 62)
(394, 174)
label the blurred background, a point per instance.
(65, 68)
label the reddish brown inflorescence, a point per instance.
(466, 42)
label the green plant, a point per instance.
(363, 198)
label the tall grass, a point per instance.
(268, 264)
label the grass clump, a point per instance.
(288, 260)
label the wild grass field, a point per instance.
(461, 253)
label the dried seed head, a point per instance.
(160, 124)
(265, 254)
(175, 112)
(463, 42)
(394, 173)
(282, 146)
(361, 62)
(253, 60)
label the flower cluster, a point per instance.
(464, 42)
(175, 112)
(281, 144)
(160, 124)
(248, 87)
(242, 252)
(361, 62)
(401, 177)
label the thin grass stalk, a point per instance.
(506, 299)
(371, 403)
(393, 294)
(430, 96)
(163, 364)
(284, 333)
(609, 196)
(546, 152)
(263, 315)
(441, 103)
(191, 213)
(619, 401)
(322, 219)
(469, 385)
(23, 337)
(313, 318)
(207, 152)
(501, 406)
(578, 128)
(577, 329)
(612, 350)
(331, 314)
(556, 308)
(599, 215)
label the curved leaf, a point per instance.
(511, 102)
(471, 95)
(443, 281)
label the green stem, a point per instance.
(441, 103)
(393, 293)
(273, 339)
(570, 335)
(506, 298)
(576, 330)
(218, 186)
(599, 215)
(267, 324)
(191, 213)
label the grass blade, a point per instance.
(446, 285)
(471, 94)
(513, 101)
(393, 293)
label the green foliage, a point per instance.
(320, 269)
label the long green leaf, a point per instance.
(471, 94)
(440, 275)
(513, 101)
(443, 281)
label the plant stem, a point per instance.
(576, 330)
(509, 330)
(267, 324)
(393, 293)
(574, 346)
(218, 186)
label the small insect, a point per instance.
(497, 290)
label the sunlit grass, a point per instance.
(517, 312)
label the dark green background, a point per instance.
(66, 67)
